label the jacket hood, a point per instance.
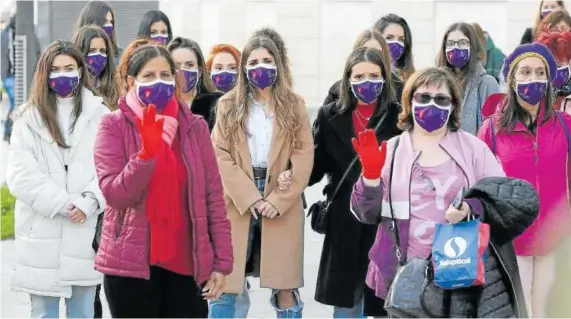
(490, 43)
(92, 105)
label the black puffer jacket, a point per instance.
(509, 206)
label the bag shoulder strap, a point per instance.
(394, 226)
(338, 187)
(566, 129)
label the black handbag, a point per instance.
(412, 293)
(319, 211)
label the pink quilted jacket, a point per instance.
(123, 179)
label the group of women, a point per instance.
(175, 177)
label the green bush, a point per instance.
(7, 202)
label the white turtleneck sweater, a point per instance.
(64, 117)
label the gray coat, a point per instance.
(478, 87)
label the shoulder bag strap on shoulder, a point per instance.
(394, 226)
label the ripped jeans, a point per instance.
(238, 305)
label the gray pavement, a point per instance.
(17, 305)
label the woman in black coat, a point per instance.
(344, 258)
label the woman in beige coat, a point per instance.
(262, 129)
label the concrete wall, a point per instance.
(320, 34)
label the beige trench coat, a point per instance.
(282, 239)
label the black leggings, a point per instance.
(165, 295)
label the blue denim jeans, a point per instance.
(9, 87)
(80, 305)
(238, 305)
(355, 312)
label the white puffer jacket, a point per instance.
(52, 252)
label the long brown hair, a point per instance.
(373, 34)
(473, 64)
(483, 39)
(426, 77)
(283, 100)
(43, 99)
(108, 86)
(95, 12)
(405, 64)
(538, 17)
(347, 100)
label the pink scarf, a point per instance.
(171, 123)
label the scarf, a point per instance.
(162, 203)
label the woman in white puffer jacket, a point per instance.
(51, 173)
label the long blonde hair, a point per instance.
(283, 100)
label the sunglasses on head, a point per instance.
(439, 99)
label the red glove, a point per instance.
(371, 156)
(151, 131)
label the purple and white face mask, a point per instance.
(224, 80)
(458, 57)
(158, 92)
(531, 92)
(561, 77)
(160, 38)
(96, 63)
(108, 27)
(190, 78)
(262, 75)
(396, 49)
(368, 90)
(63, 83)
(430, 116)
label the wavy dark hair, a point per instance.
(95, 12)
(347, 101)
(283, 100)
(148, 19)
(108, 86)
(44, 99)
(204, 84)
(282, 49)
(405, 64)
(473, 65)
(430, 76)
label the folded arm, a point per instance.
(301, 159)
(122, 182)
(366, 200)
(218, 224)
(27, 182)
